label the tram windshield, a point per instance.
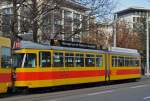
(23, 60)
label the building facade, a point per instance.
(65, 23)
(133, 16)
(5, 18)
(137, 18)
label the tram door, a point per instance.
(107, 66)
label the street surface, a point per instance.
(130, 91)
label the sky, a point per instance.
(123, 4)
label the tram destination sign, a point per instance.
(73, 44)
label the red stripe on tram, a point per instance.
(27, 76)
(5, 77)
(125, 72)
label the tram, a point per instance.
(5, 65)
(38, 66)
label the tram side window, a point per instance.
(121, 61)
(114, 62)
(45, 59)
(99, 61)
(30, 60)
(90, 60)
(131, 62)
(79, 60)
(58, 59)
(17, 60)
(69, 60)
(126, 61)
(137, 62)
(5, 60)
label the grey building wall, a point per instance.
(59, 24)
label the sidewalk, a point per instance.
(144, 77)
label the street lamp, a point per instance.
(147, 45)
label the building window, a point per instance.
(7, 11)
(134, 19)
(138, 19)
(68, 14)
(57, 22)
(76, 16)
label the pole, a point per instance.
(147, 46)
(114, 31)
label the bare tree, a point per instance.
(30, 13)
(127, 37)
(10, 21)
(33, 15)
(36, 11)
(98, 35)
(100, 10)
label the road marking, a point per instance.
(95, 93)
(139, 86)
(148, 97)
(80, 96)
(103, 92)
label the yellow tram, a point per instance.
(39, 66)
(5, 65)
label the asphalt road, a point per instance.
(130, 91)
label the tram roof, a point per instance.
(125, 51)
(113, 50)
(31, 45)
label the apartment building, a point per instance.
(134, 16)
(5, 18)
(65, 23)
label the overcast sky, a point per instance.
(123, 4)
